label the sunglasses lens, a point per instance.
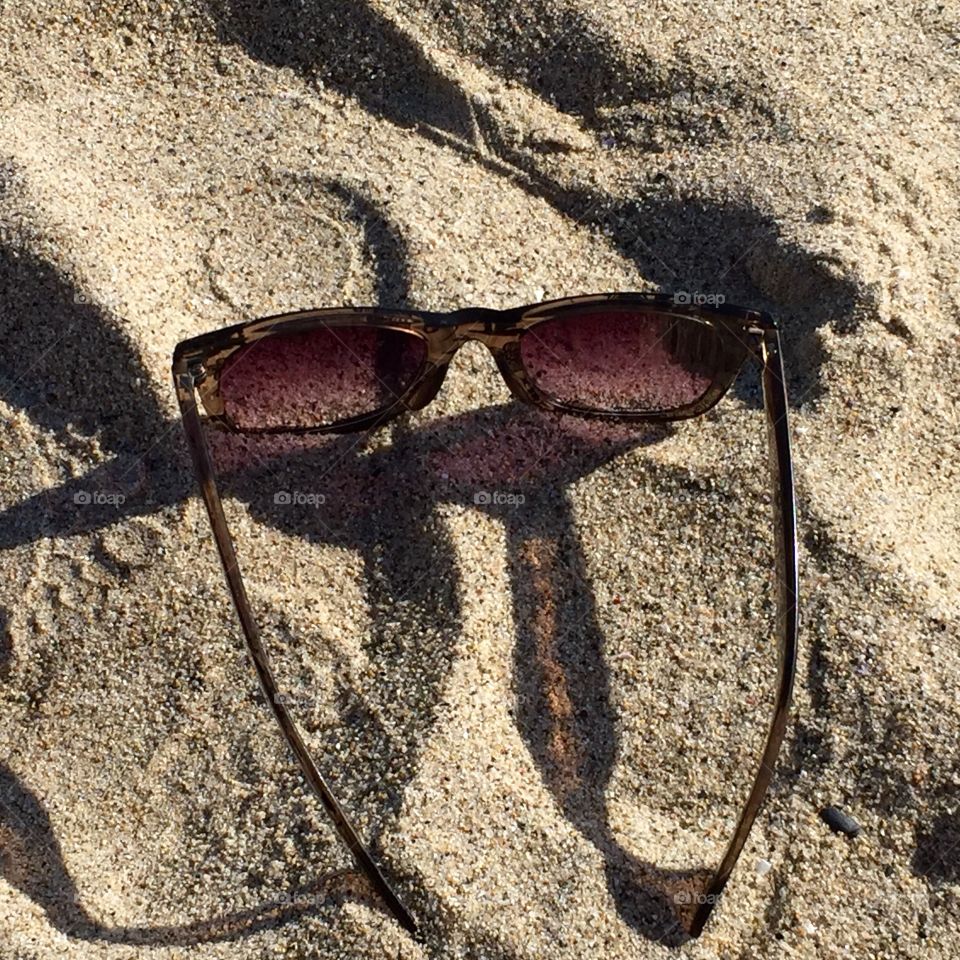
(319, 377)
(626, 361)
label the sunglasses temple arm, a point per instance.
(203, 465)
(785, 530)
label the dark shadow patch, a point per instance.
(68, 364)
(385, 247)
(76, 374)
(6, 645)
(937, 855)
(31, 859)
(353, 49)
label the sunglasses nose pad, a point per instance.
(428, 385)
(511, 369)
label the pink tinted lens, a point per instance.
(319, 377)
(623, 361)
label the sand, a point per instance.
(533, 710)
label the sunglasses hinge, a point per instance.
(196, 370)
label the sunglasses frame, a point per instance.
(199, 362)
(210, 355)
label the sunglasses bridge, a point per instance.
(447, 333)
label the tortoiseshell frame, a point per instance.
(197, 365)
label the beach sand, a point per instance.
(537, 711)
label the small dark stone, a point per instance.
(839, 822)
(820, 214)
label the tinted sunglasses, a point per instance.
(619, 357)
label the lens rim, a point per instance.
(215, 363)
(736, 349)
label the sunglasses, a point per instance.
(620, 357)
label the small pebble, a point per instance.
(839, 822)
(763, 867)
